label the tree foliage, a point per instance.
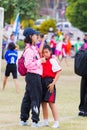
(77, 13)
(28, 9)
(9, 8)
(44, 27)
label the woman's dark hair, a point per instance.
(28, 40)
(11, 46)
(47, 47)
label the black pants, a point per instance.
(32, 97)
(83, 95)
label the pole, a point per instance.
(1, 34)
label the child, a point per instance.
(63, 51)
(40, 39)
(53, 44)
(78, 45)
(33, 94)
(51, 71)
(11, 59)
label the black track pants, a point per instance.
(32, 97)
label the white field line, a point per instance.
(62, 119)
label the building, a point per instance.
(53, 8)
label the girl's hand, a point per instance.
(43, 60)
(51, 87)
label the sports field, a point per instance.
(67, 102)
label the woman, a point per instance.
(33, 94)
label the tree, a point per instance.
(77, 13)
(46, 25)
(28, 9)
(9, 8)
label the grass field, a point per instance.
(67, 102)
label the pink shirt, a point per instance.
(32, 60)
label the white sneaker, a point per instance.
(56, 125)
(22, 123)
(36, 125)
(44, 124)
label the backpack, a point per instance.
(21, 67)
(80, 63)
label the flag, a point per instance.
(63, 11)
(16, 27)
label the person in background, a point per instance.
(11, 39)
(11, 67)
(40, 39)
(53, 44)
(58, 50)
(61, 37)
(63, 51)
(78, 45)
(51, 72)
(68, 46)
(83, 89)
(56, 36)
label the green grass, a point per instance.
(67, 102)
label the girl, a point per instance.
(11, 59)
(63, 51)
(53, 44)
(51, 71)
(40, 39)
(33, 94)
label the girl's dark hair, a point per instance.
(78, 38)
(64, 39)
(11, 46)
(28, 40)
(12, 35)
(42, 35)
(47, 47)
(85, 40)
(53, 36)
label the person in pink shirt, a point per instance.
(33, 94)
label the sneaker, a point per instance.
(24, 123)
(36, 125)
(85, 114)
(56, 125)
(81, 113)
(44, 124)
